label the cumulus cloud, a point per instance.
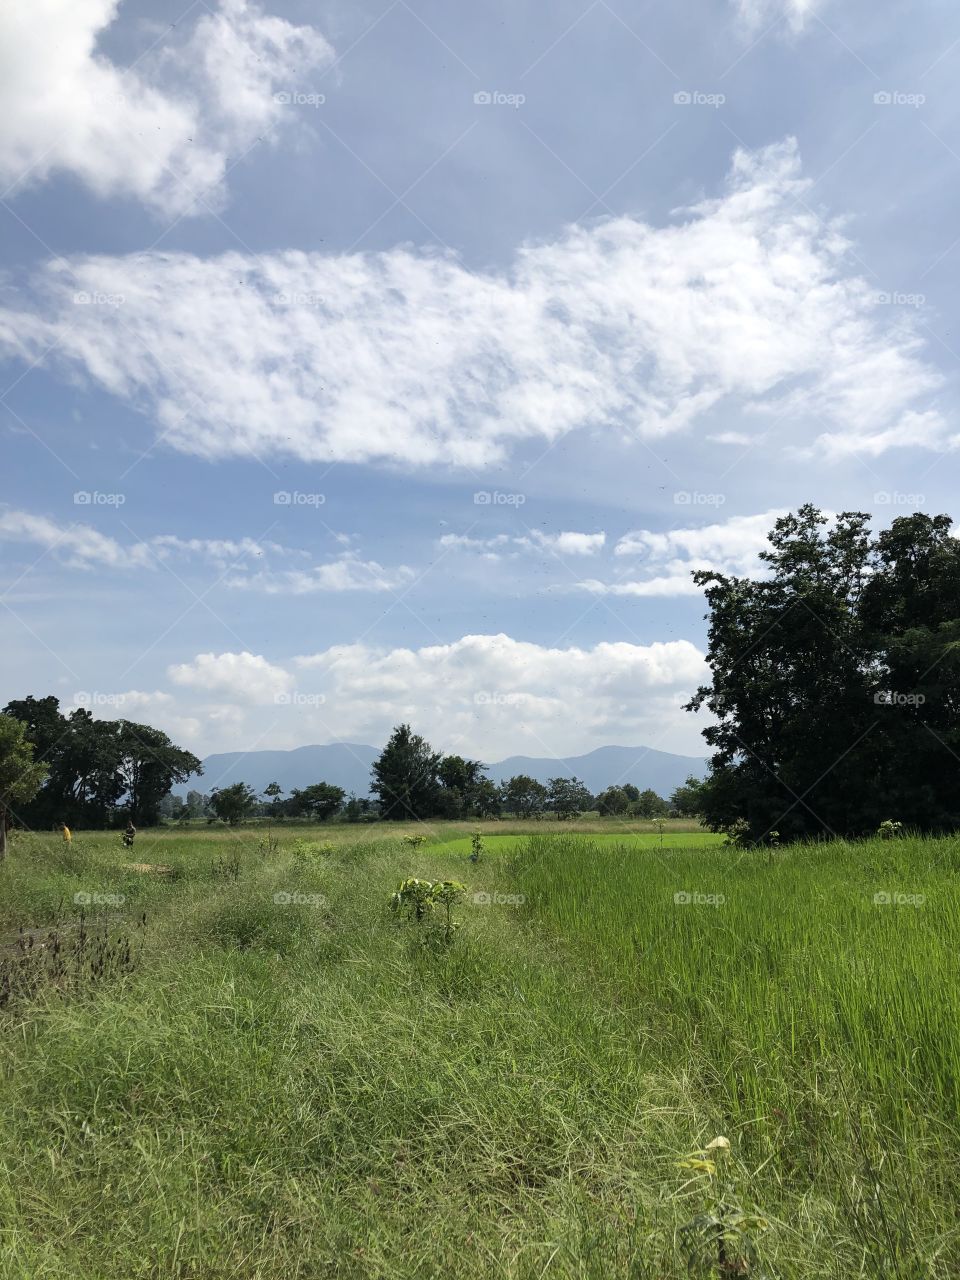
(746, 301)
(243, 677)
(670, 557)
(164, 130)
(486, 694)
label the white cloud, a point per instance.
(567, 543)
(163, 131)
(670, 557)
(746, 302)
(498, 696)
(347, 573)
(246, 677)
(79, 546)
(83, 547)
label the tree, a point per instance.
(272, 793)
(631, 792)
(689, 798)
(612, 802)
(20, 775)
(404, 777)
(233, 804)
(148, 765)
(319, 801)
(568, 797)
(836, 680)
(94, 764)
(650, 805)
(524, 796)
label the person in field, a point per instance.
(130, 834)
(67, 835)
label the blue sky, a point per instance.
(399, 361)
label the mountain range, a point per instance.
(347, 765)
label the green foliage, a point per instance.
(20, 774)
(687, 800)
(234, 803)
(404, 777)
(614, 802)
(568, 798)
(94, 765)
(835, 680)
(418, 901)
(320, 801)
(524, 796)
(890, 830)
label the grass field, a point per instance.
(280, 1078)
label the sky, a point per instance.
(399, 361)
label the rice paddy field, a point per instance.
(224, 1055)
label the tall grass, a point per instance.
(287, 1085)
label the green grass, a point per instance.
(298, 1088)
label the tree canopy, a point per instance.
(836, 680)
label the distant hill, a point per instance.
(347, 765)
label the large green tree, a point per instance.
(524, 796)
(405, 777)
(98, 768)
(20, 774)
(835, 679)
